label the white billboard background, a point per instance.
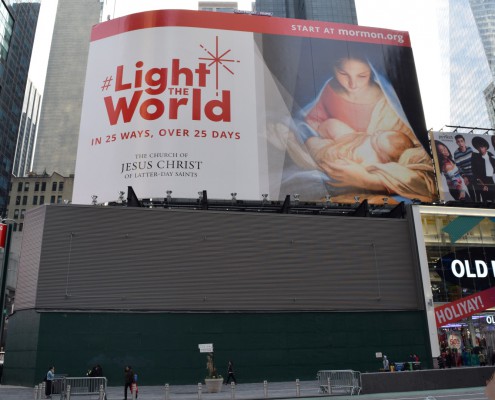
(182, 155)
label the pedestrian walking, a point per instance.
(128, 380)
(230, 373)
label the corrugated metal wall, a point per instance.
(109, 258)
(29, 262)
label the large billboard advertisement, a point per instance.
(189, 101)
(465, 166)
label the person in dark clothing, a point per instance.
(128, 379)
(230, 373)
(96, 371)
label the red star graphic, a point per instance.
(218, 60)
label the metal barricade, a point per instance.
(57, 383)
(82, 386)
(339, 381)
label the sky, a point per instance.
(424, 39)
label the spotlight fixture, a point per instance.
(296, 198)
(385, 200)
(328, 199)
(356, 199)
(200, 195)
(234, 194)
(264, 198)
(94, 199)
(169, 195)
(121, 196)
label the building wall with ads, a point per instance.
(256, 106)
(283, 295)
(457, 253)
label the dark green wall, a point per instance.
(163, 347)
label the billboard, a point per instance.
(465, 166)
(189, 101)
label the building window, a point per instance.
(60, 186)
(35, 200)
(24, 200)
(19, 186)
(52, 199)
(36, 186)
(23, 211)
(42, 200)
(16, 214)
(43, 186)
(17, 200)
(26, 186)
(21, 225)
(54, 186)
(59, 199)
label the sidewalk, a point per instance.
(248, 391)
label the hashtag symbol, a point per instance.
(106, 83)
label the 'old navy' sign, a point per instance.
(480, 269)
(460, 309)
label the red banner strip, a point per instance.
(250, 23)
(3, 235)
(467, 306)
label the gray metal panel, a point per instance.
(112, 258)
(29, 262)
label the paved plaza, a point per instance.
(252, 391)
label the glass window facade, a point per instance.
(342, 11)
(442, 248)
(459, 249)
(17, 28)
(6, 28)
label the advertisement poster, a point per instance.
(465, 166)
(187, 101)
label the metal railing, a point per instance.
(339, 381)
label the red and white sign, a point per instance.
(454, 340)
(460, 309)
(189, 101)
(3, 235)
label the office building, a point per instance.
(64, 87)
(453, 51)
(27, 131)
(343, 11)
(218, 6)
(34, 190)
(17, 29)
(469, 59)
(484, 15)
